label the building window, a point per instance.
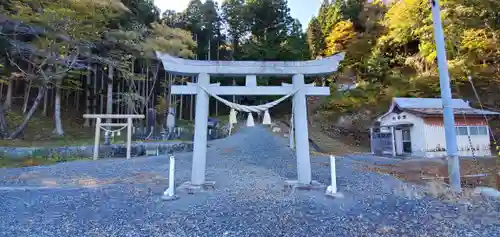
(473, 131)
(462, 131)
(482, 130)
(478, 130)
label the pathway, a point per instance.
(122, 198)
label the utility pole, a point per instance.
(217, 101)
(444, 81)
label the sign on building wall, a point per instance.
(381, 143)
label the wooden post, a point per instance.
(97, 137)
(129, 136)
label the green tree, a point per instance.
(141, 11)
(315, 38)
(66, 29)
(173, 19)
(329, 14)
(211, 32)
(235, 14)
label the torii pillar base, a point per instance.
(169, 198)
(337, 195)
(190, 188)
(296, 185)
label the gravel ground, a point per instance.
(116, 197)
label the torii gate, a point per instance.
(250, 69)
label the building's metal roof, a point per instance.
(434, 107)
(457, 111)
(427, 103)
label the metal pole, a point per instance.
(393, 139)
(129, 137)
(97, 138)
(333, 175)
(169, 194)
(171, 176)
(444, 81)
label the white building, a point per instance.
(415, 125)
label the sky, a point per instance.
(304, 10)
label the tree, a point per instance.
(234, 13)
(315, 38)
(127, 46)
(60, 32)
(350, 11)
(211, 32)
(143, 12)
(295, 45)
(340, 37)
(390, 49)
(173, 19)
(329, 14)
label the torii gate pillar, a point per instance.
(200, 132)
(301, 131)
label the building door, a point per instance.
(399, 141)
(406, 140)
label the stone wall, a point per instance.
(105, 151)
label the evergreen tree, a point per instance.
(315, 38)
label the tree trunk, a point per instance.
(57, 111)
(87, 94)
(109, 101)
(119, 98)
(44, 112)
(67, 95)
(101, 93)
(94, 96)
(3, 123)
(77, 101)
(1, 92)
(30, 113)
(26, 97)
(8, 99)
